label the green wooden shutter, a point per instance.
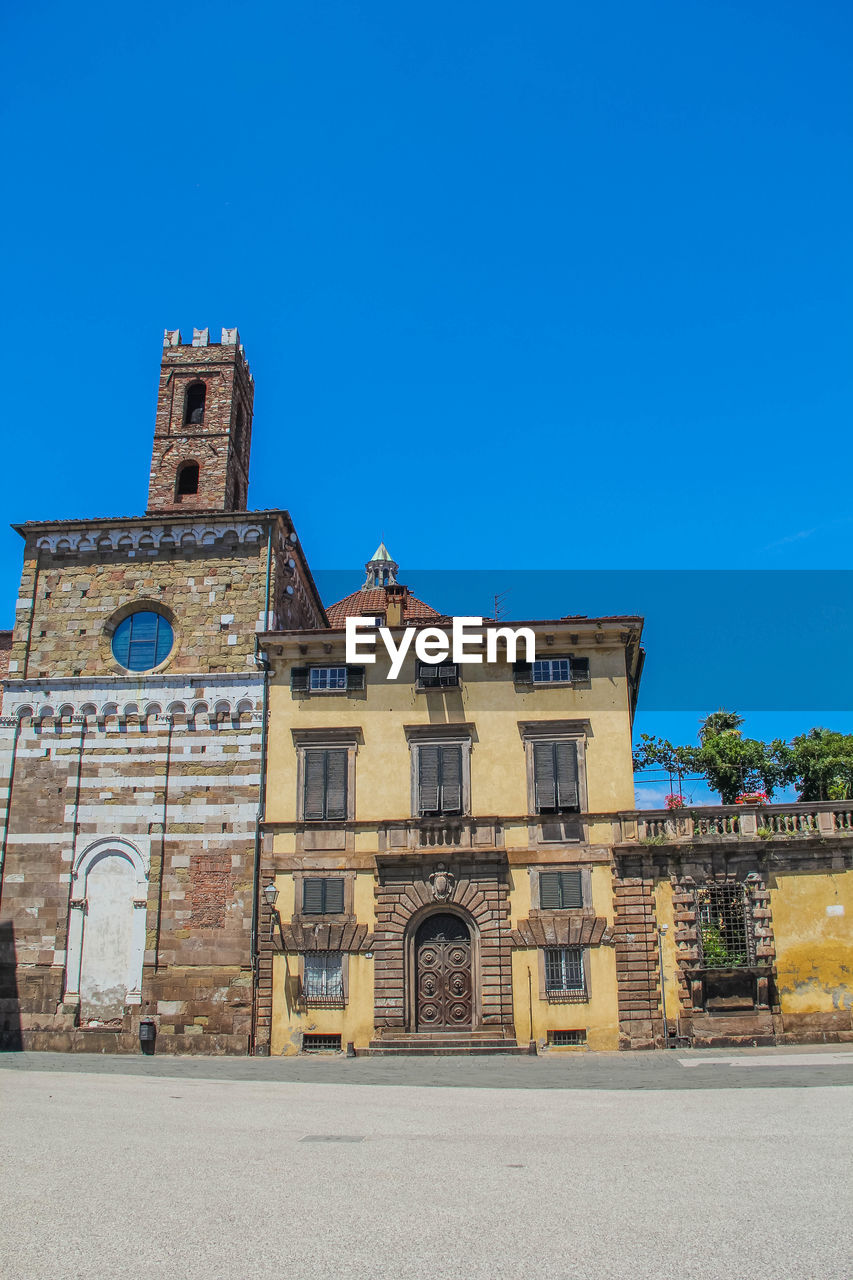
(334, 894)
(315, 784)
(428, 778)
(566, 754)
(312, 897)
(544, 778)
(522, 672)
(336, 783)
(355, 677)
(549, 890)
(298, 679)
(451, 779)
(579, 668)
(571, 893)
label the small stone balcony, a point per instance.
(447, 833)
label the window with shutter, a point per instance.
(559, 890)
(429, 757)
(551, 671)
(325, 788)
(439, 779)
(432, 676)
(555, 776)
(328, 679)
(313, 894)
(522, 672)
(451, 779)
(298, 679)
(322, 895)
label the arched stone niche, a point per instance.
(106, 929)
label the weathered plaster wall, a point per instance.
(812, 915)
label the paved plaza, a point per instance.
(682, 1165)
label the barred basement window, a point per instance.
(323, 896)
(725, 926)
(559, 890)
(323, 980)
(564, 974)
(555, 777)
(321, 1044)
(325, 790)
(565, 1038)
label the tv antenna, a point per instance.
(499, 604)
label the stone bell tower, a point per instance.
(203, 431)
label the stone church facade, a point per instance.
(132, 735)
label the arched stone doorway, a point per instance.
(443, 963)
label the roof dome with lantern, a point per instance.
(379, 590)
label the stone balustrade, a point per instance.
(723, 823)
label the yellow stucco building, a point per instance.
(452, 860)
(440, 843)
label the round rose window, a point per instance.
(142, 640)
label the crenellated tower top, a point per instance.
(203, 429)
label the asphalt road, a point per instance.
(113, 1173)
(799, 1066)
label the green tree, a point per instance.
(730, 763)
(718, 722)
(820, 765)
(733, 764)
(658, 753)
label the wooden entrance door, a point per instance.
(443, 974)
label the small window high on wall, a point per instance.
(187, 482)
(194, 405)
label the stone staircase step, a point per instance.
(443, 1045)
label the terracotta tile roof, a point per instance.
(374, 601)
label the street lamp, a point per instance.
(271, 896)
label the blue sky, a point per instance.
(557, 286)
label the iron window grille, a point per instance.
(559, 890)
(724, 926)
(325, 785)
(565, 981)
(433, 676)
(323, 896)
(566, 1038)
(555, 777)
(323, 980)
(320, 1043)
(439, 779)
